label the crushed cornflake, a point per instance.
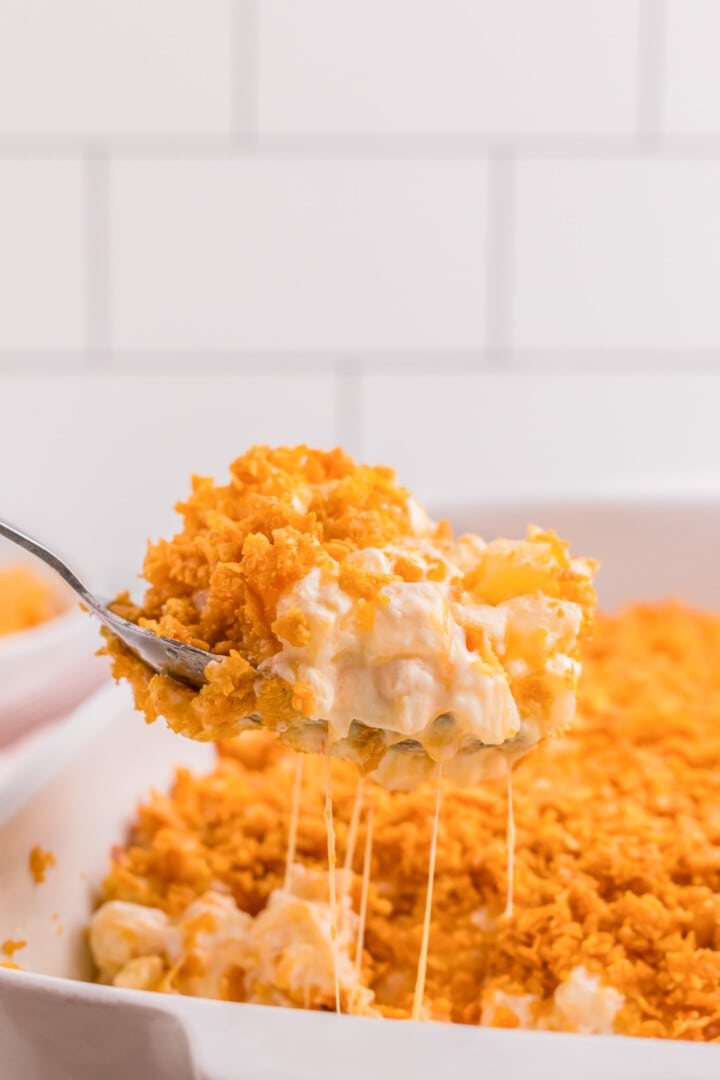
(9, 947)
(617, 868)
(39, 862)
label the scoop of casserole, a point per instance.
(343, 617)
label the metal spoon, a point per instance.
(164, 655)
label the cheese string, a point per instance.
(353, 826)
(367, 857)
(332, 859)
(294, 815)
(422, 962)
(510, 839)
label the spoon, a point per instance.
(164, 655)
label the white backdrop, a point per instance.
(479, 239)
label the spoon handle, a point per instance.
(23, 540)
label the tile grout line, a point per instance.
(500, 245)
(97, 253)
(355, 363)
(244, 72)
(651, 75)
(698, 147)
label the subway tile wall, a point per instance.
(429, 229)
(254, 254)
(446, 67)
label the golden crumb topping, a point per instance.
(9, 947)
(617, 872)
(39, 862)
(286, 511)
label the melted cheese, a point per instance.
(293, 825)
(520, 1006)
(300, 957)
(422, 962)
(332, 885)
(121, 931)
(367, 858)
(510, 840)
(581, 1004)
(398, 673)
(286, 955)
(436, 672)
(354, 824)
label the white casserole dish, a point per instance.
(55, 1029)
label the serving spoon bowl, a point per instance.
(164, 655)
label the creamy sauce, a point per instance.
(584, 1005)
(399, 672)
(522, 1007)
(422, 962)
(580, 1004)
(463, 678)
(286, 952)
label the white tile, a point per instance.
(41, 254)
(692, 88)
(298, 254)
(109, 66)
(535, 435)
(617, 253)
(447, 66)
(110, 456)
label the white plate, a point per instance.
(86, 787)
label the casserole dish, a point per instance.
(53, 1027)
